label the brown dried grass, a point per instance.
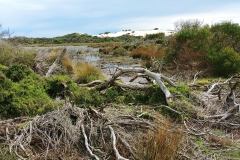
(85, 72)
(163, 143)
(147, 52)
(52, 56)
(67, 63)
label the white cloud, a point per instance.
(167, 22)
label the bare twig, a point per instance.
(86, 143)
(118, 156)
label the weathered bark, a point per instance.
(134, 86)
(231, 99)
(55, 63)
(91, 84)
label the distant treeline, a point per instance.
(84, 38)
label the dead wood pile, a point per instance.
(93, 134)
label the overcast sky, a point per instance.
(51, 18)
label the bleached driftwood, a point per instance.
(156, 76)
(55, 63)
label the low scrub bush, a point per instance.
(85, 73)
(54, 87)
(26, 97)
(10, 55)
(117, 95)
(17, 72)
(89, 98)
(225, 62)
(120, 52)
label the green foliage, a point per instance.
(26, 97)
(151, 95)
(191, 46)
(10, 55)
(5, 92)
(17, 72)
(30, 98)
(54, 87)
(181, 89)
(156, 36)
(89, 98)
(117, 95)
(215, 47)
(181, 102)
(225, 62)
(226, 34)
(120, 52)
(3, 68)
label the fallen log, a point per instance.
(55, 63)
(156, 76)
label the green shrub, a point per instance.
(89, 98)
(120, 52)
(30, 98)
(54, 87)
(152, 95)
(225, 62)
(23, 98)
(17, 72)
(6, 93)
(10, 55)
(226, 34)
(3, 68)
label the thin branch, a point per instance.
(86, 143)
(118, 156)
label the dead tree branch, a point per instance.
(55, 63)
(156, 76)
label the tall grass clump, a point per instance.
(67, 63)
(10, 54)
(85, 73)
(162, 143)
(52, 56)
(147, 52)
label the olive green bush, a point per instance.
(54, 87)
(224, 62)
(120, 52)
(215, 48)
(10, 55)
(18, 72)
(25, 97)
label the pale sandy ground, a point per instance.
(135, 33)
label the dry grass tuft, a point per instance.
(67, 63)
(52, 55)
(163, 143)
(85, 72)
(146, 52)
